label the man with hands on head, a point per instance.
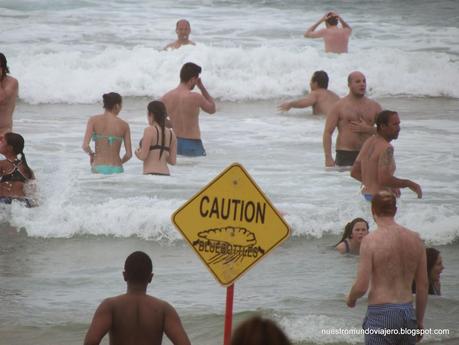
(336, 38)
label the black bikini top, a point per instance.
(157, 146)
(14, 175)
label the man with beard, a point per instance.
(354, 116)
(375, 164)
(183, 108)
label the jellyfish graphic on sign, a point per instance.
(228, 244)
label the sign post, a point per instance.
(231, 225)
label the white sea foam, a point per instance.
(230, 73)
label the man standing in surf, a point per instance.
(354, 116)
(183, 107)
(8, 93)
(183, 30)
(375, 164)
(391, 258)
(336, 39)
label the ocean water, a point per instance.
(58, 261)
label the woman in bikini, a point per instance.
(14, 171)
(354, 232)
(108, 132)
(158, 146)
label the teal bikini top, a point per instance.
(110, 138)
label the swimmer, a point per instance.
(336, 39)
(183, 30)
(183, 107)
(320, 98)
(354, 116)
(14, 170)
(158, 146)
(108, 132)
(354, 232)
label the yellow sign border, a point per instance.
(268, 201)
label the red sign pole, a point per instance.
(229, 314)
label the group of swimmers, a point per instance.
(174, 130)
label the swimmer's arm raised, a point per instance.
(205, 102)
(343, 23)
(362, 281)
(310, 33)
(173, 327)
(100, 325)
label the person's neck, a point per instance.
(356, 98)
(138, 289)
(383, 137)
(185, 86)
(110, 113)
(10, 156)
(384, 221)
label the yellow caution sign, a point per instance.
(231, 224)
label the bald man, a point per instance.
(354, 116)
(183, 30)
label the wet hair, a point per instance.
(432, 257)
(383, 118)
(158, 110)
(111, 99)
(384, 204)
(138, 268)
(332, 21)
(4, 66)
(182, 20)
(188, 71)
(349, 226)
(259, 331)
(321, 78)
(16, 141)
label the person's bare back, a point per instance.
(326, 99)
(135, 317)
(183, 109)
(8, 94)
(396, 255)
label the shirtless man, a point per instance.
(135, 317)
(375, 164)
(183, 108)
(8, 94)
(183, 30)
(354, 115)
(336, 39)
(319, 98)
(391, 258)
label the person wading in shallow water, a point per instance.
(135, 317)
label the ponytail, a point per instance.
(158, 109)
(28, 171)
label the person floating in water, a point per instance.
(336, 38)
(108, 132)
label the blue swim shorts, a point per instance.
(387, 324)
(190, 147)
(107, 169)
(368, 197)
